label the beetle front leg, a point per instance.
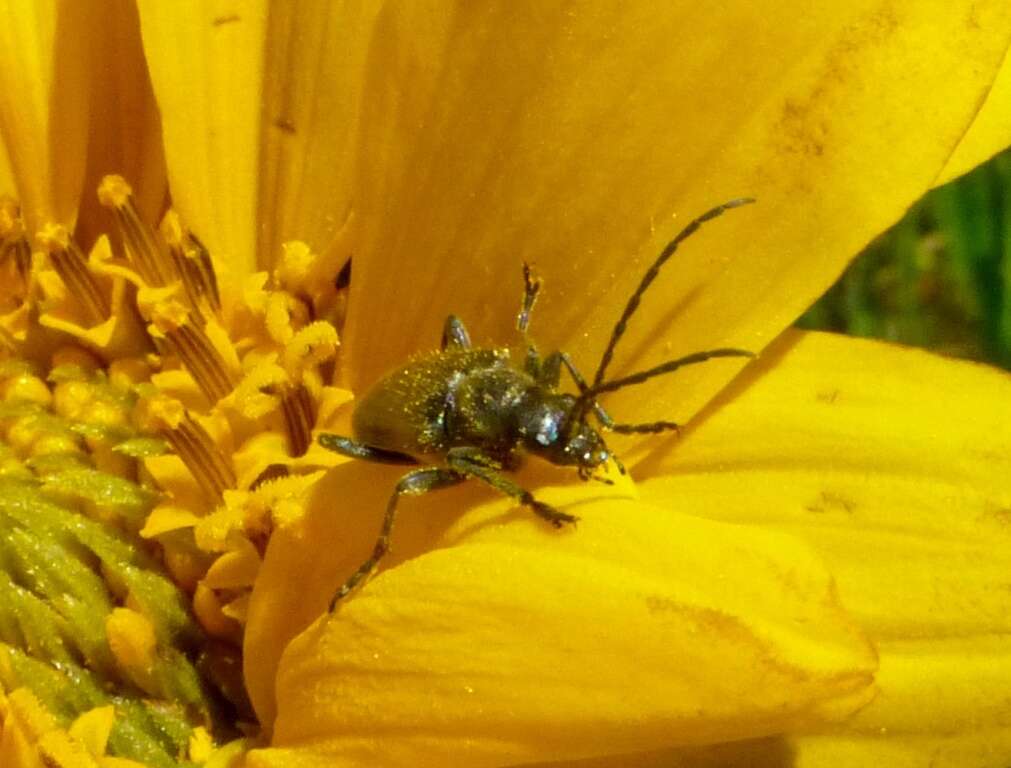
(531, 287)
(473, 463)
(552, 367)
(412, 484)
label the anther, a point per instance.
(299, 416)
(145, 255)
(309, 347)
(191, 261)
(174, 323)
(13, 241)
(193, 445)
(72, 267)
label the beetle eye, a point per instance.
(548, 431)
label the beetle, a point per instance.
(466, 412)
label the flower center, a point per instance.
(89, 618)
(164, 416)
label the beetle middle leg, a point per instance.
(473, 463)
(412, 484)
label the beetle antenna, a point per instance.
(671, 365)
(650, 276)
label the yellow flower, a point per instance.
(834, 503)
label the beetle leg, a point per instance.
(471, 462)
(549, 371)
(556, 360)
(532, 365)
(412, 484)
(605, 418)
(531, 287)
(348, 447)
(454, 334)
(633, 429)
(644, 429)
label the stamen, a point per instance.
(299, 416)
(190, 344)
(191, 261)
(72, 267)
(143, 250)
(13, 241)
(191, 442)
(311, 346)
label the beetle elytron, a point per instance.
(469, 412)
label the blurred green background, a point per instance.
(940, 278)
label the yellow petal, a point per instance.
(7, 186)
(126, 138)
(893, 464)
(943, 702)
(56, 748)
(315, 57)
(118, 762)
(989, 132)
(237, 568)
(206, 62)
(515, 642)
(935, 723)
(167, 517)
(229, 756)
(581, 139)
(45, 64)
(25, 721)
(92, 729)
(201, 745)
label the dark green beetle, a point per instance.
(471, 412)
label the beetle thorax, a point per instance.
(483, 408)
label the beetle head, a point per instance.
(553, 428)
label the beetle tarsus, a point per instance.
(547, 512)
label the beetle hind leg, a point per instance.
(355, 450)
(412, 484)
